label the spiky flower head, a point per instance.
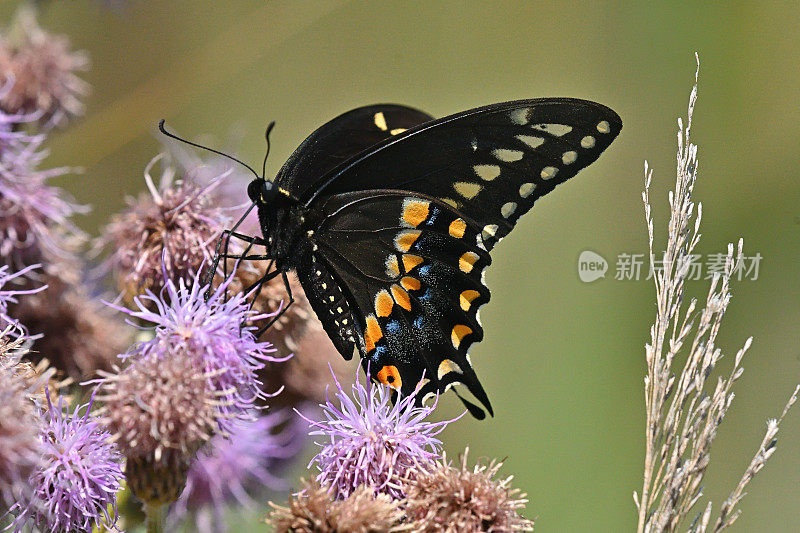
(43, 69)
(313, 511)
(78, 476)
(35, 218)
(20, 446)
(171, 230)
(186, 320)
(444, 498)
(160, 404)
(195, 376)
(231, 470)
(373, 442)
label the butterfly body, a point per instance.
(388, 218)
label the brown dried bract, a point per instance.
(313, 511)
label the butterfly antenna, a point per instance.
(168, 134)
(266, 135)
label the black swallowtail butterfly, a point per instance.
(388, 217)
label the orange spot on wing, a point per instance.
(467, 297)
(457, 228)
(459, 332)
(373, 333)
(401, 297)
(383, 304)
(410, 284)
(406, 239)
(411, 261)
(390, 375)
(415, 212)
(467, 261)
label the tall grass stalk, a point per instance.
(685, 401)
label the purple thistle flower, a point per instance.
(211, 332)
(374, 442)
(230, 471)
(78, 476)
(10, 326)
(34, 217)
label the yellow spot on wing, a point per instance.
(487, 172)
(447, 366)
(459, 332)
(457, 228)
(380, 121)
(411, 261)
(392, 268)
(383, 304)
(530, 140)
(467, 189)
(467, 297)
(450, 202)
(390, 375)
(410, 284)
(467, 261)
(401, 297)
(373, 333)
(406, 239)
(415, 212)
(397, 131)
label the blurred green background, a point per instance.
(562, 360)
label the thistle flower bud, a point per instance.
(171, 230)
(77, 334)
(444, 498)
(194, 378)
(35, 225)
(43, 70)
(313, 511)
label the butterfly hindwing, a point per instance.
(412, 266)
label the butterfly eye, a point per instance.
(254, 190)
(260, 191)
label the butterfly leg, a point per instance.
(225, 238)
(285, 307)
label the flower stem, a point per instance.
(154, 518)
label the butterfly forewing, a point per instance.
(342, 138)
(490, 163)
